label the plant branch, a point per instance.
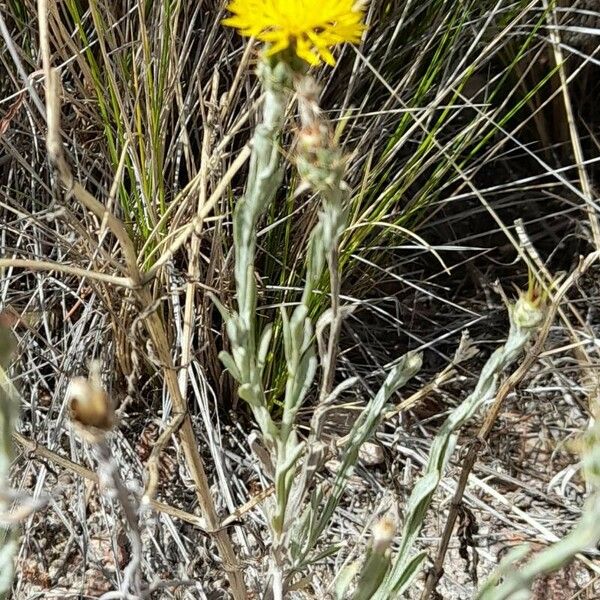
(505, 389)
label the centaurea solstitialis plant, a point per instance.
(526, 316)
(297, 35)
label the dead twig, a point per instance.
(34, 449)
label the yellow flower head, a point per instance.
(308, 27)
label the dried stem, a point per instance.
(584, 180)
(108, 474)
(33, 448)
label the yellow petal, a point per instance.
(312, 27)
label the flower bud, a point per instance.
(90, 407)
(319, 159)
(528, 311)
(383, 534)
